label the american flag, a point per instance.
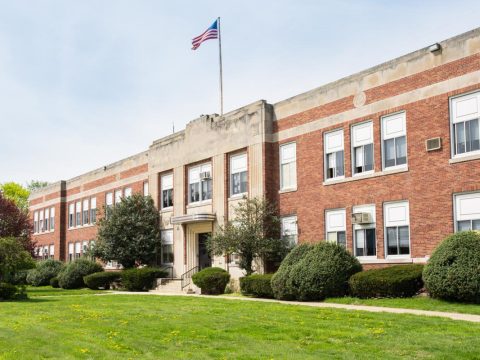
(210, 33)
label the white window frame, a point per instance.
(127, 192)
(167, 239)
(455, 118)
(35, 222)
(46, 222)
(286, 222)
(41, 224)
(288, 161)
(329, 228)
(71, 215)
(51, 251)
(166, 183)
(118, 196)
(71, 251)
(78, 210)
(333, 149)
(201, 168)
(457, 197)
(145, 188)
(52, 218)
(78, 250)
(387, 223)
(362, 143)
(86, 210)
(93, 210)
(239, 170)
(364, 209)
(403, 132)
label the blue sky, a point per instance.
(86, 83)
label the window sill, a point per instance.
(167, 210)
(82, 227)
(43, 233)
(238, 197)
(284, 191)
(388, 260)
(366, 176)
(463, 158)
(199, 203)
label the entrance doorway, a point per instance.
(204, 258)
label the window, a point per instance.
(52, 251)
(145, 188)
(394, 135)
(362, 148)
(47, 220)
(166, 183)
(93, 210)
(128, 192)
(52, 218)
(289, 229)
(70, 251)
(108, 203)
(78, 213)
(84, 248)
(238, 174)
(35, 222)
(397, 229)
(41, 221)
(85, 211)
(71, 211)
(78, 250)
(45, 252)
(200, 183)
(288, 166)
(167, 246)
(465, 115)
(118, 196)
(336, 226)
(467, 211)
(364, 236)
(334, 155)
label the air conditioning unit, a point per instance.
(205, 175)
(362, 218)
(433, 144)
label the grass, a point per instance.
(153, 327)
(419, 302)
(49, 291)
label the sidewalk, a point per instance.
(375, 309)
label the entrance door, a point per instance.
(204, 259)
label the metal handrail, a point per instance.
(187, 276)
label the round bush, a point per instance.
(43, 272)
(315, 273)
(212, 280)
(7, 291)
(101, 280)
(453, 271)
(20, 277)
(281, 279)
(71, 276)
(54, 282)
(141, 279)
(257, 285)
(393, 281)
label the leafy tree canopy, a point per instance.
(13, 258)
(130, 233)
(15, 223)
(36, 184)
(17, 193)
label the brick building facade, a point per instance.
(385, 162)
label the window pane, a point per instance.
(392, 241)
(403, 239)
(463, 225)
(371, 242)
(472, 135)
(358, 162)
(206, 189)
(167, 254)
(341, 239)
(330, 165)
(368, 157)
(389, 152)
(243, 182)
(235, 178)
(194, 192)
(340, 163)
(286, 176)
(460, 137)
(332, 236)
(401, 148)
(475, 224)
(360, 243)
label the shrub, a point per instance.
(7, 291)
(212, 280)
(71, 276)
(453, 271)
(141, 279)
(315, 272)
(257, 285)
(101, 280)
(20, 277)
(44, 271)
(54, 282)
(393, 281)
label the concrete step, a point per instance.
(169, 285)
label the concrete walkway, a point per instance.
(375, 309)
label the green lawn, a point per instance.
(153, 327)
(34, 291)
(420, 302)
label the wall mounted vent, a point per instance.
(205, 175)
(433, 144)
(362, 218)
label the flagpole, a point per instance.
(221, 67)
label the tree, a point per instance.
(255, 233)
(15, 223)
(130, 234)
(13, 258)
(36, 184)
(17, 193)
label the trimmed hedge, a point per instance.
(320, 271)
(453, 271)
(212, 280)
(54, 282)
(141, 279)
(257, 285)
(101, 280)
(43, 272)
(7, 291)
(393, 281)
(71, 276)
